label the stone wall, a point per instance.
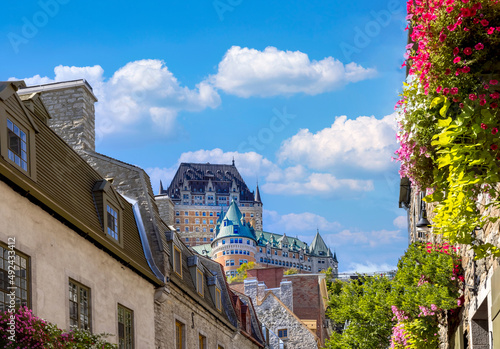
(73, 115)
(165, 208)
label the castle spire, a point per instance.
(257, 194)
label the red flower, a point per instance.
(495, 95)
(457, 59)
(479, 46)
(475, 20)
(449, 9)
(494, 106)
(484, 126)
(465, 69)
(456, 100)
(494, 147)
(442, 37)
(446, 90)
(438, 89)
(468, 51)
(472, 97)
(456, 50)
(486, 86)
(484, 22)
(491, 30)
(452, 27)
(494, 131)
(461, 105)
(483, 96)
(493, 82)
(482, 102)
(447, 72)
(454, 90)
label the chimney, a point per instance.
(71, 106)
(286, 288)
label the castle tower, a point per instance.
(235, 241)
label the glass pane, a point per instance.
(10, 125)
(16, 130)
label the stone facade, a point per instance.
(276, 316)
(166, 209)
(71, 107)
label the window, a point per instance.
(177, 261)
(186, 213)
(211, 221)
(218, 299)
(176, 213)
(21, 279)
(211, 215)
(202, 340)
(177, 220)
(197, 213)
(125, 328)
(223, 242)
(179, 335)
(283, 333)
(211, 230)
(197, 221)
(199, 282)
(186, 221)
(186, 229)
(248, 242)
(17, 145)
(79, 306)
(204, 214)
(112, 222)
(231, 240)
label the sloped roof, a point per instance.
(318, 246)
(199, 175)
(232, 225)
(263, 237)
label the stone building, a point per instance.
(65, 221)
(199, 192)
(184, 299)
(477, 325)
(275, 309)
(237, 242)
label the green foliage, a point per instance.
(241, 272)
(374, 312)
(291, 271)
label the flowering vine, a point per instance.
(449, 139)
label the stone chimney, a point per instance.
(250, 285)
(286, 296)
(71, 106)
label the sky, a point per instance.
(300, 93)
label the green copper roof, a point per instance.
(232, 225)
(264, 237)
(204, 250)
(318, 246)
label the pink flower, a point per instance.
(486, 86)
(482, 102)
(490, 31)
(493, 82)
(438, 89)
(494, 147)
(472, 97)
(494, 131)
(483, 96)
(449, 9)
(468, 51)
(456, 60)
(446, 90)
(461, 105)
(452, 27)
(442, 37)
(484, 22)
(484, 126)
(479, 46)
(456, 50)
(495, 95)
(454, 90)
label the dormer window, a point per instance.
(110, 207)
(177, 261)
(218, 299)
(199, 282)
(17, 145)
(112, 222)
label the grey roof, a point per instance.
(199, 175)
(318, 246)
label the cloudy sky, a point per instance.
(300, 93)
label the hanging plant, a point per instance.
(449, 120)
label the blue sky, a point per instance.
(300, 93)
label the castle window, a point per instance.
(248, 242)
(204, 214)
(197, 213)
(177, 261)
(186, 229)
(211, 230)
(211, 213)
(125, 328)
(187, 239)
(177, 220)
(178, 229)
(176, 213)
(232, 240)
(223, 242)
(197, 221)
(241, 241)
(79, 306)
(236, 229)
(211, 221)
(186, 213)
(261, 259)
(186, 221)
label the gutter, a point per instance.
(144, 239)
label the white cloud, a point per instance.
(374, 238)
(365, 142)
(294, 223)
(317, 184)
(246, 72)
(369, 267)
(401, 222)
(143, 90)
(294, 180)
